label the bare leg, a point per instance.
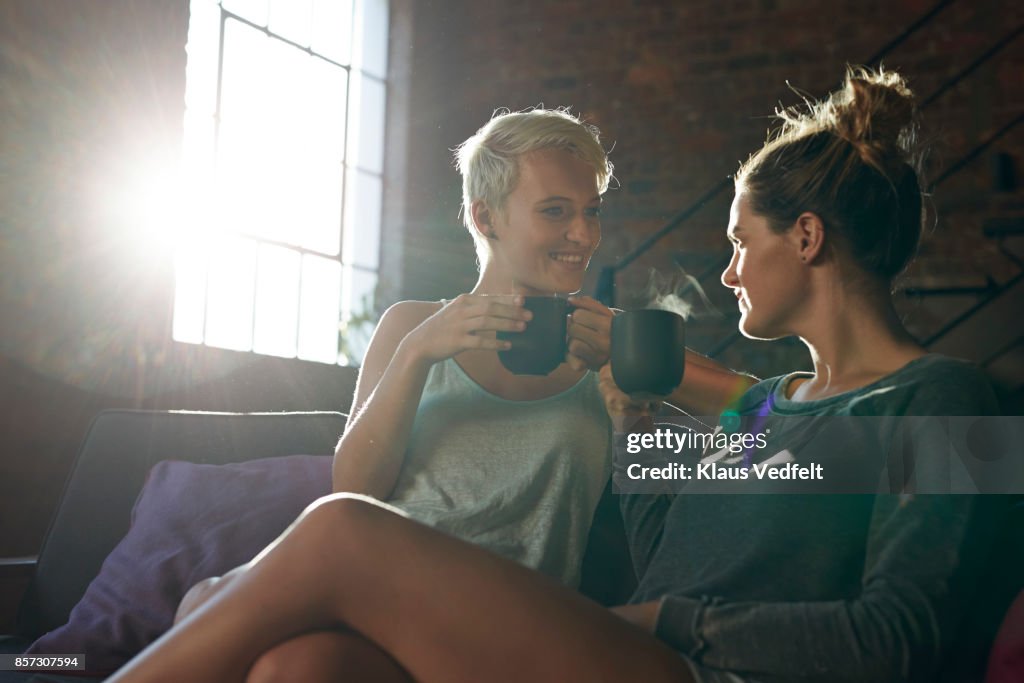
(445, 610)
(326, 657)
(203, 591)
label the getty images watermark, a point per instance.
(804, 454)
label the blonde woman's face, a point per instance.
(764, 273)
(550, 225)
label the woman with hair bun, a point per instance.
(822, 587)
(732, 588)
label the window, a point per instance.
(283, 160)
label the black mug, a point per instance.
(648, 352)
(541, 347)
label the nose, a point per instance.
(729, 278)
(584, 230)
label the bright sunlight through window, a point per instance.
(283, 155)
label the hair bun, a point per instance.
(875, 111)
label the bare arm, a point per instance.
(410, 338)
(369, 455)
(708, 387)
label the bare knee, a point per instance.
(279, 665)
(200, 593)
(326, 656)
(340, 518)
(196, 596)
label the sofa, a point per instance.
(124, 452)
(119, 456)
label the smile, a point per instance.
(569, 259)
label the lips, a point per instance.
(569, 259)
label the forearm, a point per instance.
(369, 456)
(708, 387)
(879, 637)
(919, 576)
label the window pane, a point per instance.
(277, 301)
(319, 309)
(316, 212)
(366, 140)
(189, 294)
(230, 294)
(358, 313)
(292, 19)
(245, 63)
(241, 166)
(332, 29)
(201, 63)
(197, 149)
(362, 219)
(375, 37)
(293, 155)
(326, 109)
(281, 136)
(253, 10)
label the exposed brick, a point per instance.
(685, 90)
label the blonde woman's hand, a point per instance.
(467, 322)
(590, 332)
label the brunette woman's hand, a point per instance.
(467, 322)
(644, 614)
(590, 332)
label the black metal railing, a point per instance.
(606, 278)
(991, 290)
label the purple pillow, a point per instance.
(190, 522)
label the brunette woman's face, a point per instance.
(547, 231)
(764, 273)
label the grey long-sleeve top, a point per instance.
(817, 587)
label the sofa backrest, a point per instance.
(109, 471)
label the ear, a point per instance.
(483, 219)
(809, 235)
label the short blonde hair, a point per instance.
(489, 161)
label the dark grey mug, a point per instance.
(648, 351)
(541, 347)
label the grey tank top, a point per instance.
(520, 478)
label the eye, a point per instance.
(553, 211)
(594, 211)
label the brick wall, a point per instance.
(681, 89)
(684, 90)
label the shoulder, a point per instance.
(409, 313)
(758, 395)
(400, 318)
(940, 385)
(932, 385)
